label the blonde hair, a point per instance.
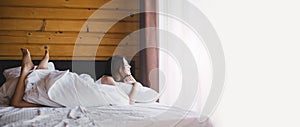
(113, 66)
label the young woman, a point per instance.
(119, 71)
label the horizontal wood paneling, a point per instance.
(64, 50)
(67, 25)
(91, 26)
(56, 13)
(67, 38)
(55, 3)
(14, 24)
(60, 24)
(117, 4)
(67, 34)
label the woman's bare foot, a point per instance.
(44, 63)
(27, 64)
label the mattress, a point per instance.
(137, 115)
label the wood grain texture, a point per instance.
(67, 26)
(15, 24)
(67, 13)
(91, 26)
(66, 38)
(116, 4)
(65, 50)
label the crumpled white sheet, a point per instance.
(37, 85)
(64, 88)
(12, 76)
(138, 115)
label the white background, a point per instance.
(261, 42)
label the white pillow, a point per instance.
(143, 94)
(15, 71)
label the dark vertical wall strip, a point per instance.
(149, 38)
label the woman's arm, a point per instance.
(17, 99)
(130, 80)
(132, 93)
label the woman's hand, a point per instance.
(129, 79)
(131, 101)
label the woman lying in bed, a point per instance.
(118, 70)
(59, 95)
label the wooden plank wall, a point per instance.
(57, 24)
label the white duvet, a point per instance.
(64, 88)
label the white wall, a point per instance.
(261, 41)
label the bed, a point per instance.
(78, 66)
(140, 114)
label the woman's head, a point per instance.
(117, 67)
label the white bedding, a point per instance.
(85, 105)
(12, 75)
(138, 115)
(66, 89)
(63, 88)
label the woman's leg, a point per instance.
(27, 65)
(44, 63)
